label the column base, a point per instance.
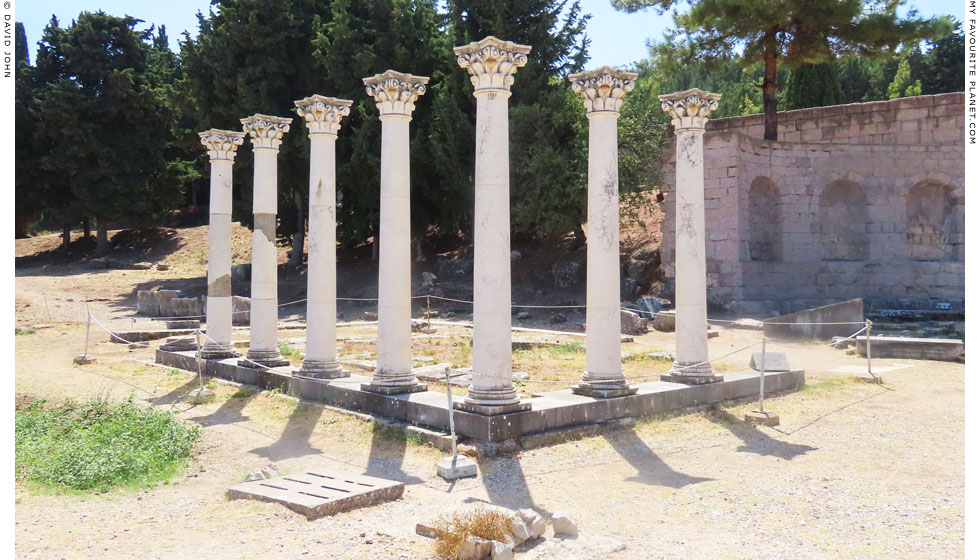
(492, 409)
(691, 379)
(263, 358)
(604, 391)
(394, 389)
(318, 369)
(491, 402)
(213, 351)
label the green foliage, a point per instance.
(903, 85)
(98, 445)
(285, 348)
(99, 128)
(814, 85)
(791, 33)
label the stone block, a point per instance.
(474, 548)
(632, 323)
(563, 524)
(451, 468)
(241, 310)
(182, 307)
(664, 321)
(775, 361)
(319, 493)
(501, 551)
(519, 529)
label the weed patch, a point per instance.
(481, 522)
(99, 445)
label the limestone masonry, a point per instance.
(854, 201)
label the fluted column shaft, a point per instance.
(322, 115)
(395, 94)
(492, 64)
(689, 111)
(221, 145)
(266, 136)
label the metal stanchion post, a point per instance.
(452, 424)
(762, 377)
(88, 327)
(867, 348)
(202, 395)
(85, 358)
(451, 468)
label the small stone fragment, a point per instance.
(563, 524)
(519, 529)
(474, 548)
(368, 316)
(161, 266)
(428, 279)
(142, 266)
(501, 551)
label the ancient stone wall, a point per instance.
(868, 203)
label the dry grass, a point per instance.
(483, 522)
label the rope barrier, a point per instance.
(833, 343)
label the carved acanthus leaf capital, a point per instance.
(221, 144)
(689, 109)
(394, 92)
(492, 63)
(323, 114)
(603, 88)
(264, 131)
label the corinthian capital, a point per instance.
(265, 131)
(221, 144)
(492, 63)
(603, 88)
(323, 114)
(689, 109)
(394, 92)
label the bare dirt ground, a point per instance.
(854, 471)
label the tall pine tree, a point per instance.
(792, 32)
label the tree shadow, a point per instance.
(755, 440)
(295, 438)
(388, 447)
(650, 468)
(127, 246)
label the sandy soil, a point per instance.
(854, 471)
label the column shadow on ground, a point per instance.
(650, 468)
(755, 440)
(505, 483)
(230, 412)
(176, 395)
(295, 438)
(387, 455)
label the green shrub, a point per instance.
(99, 445)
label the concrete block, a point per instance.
(775, 361)
(474, 548)
(319, 493)
(451, 468)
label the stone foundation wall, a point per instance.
(871, 210)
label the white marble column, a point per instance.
(221, 146)
(323, 116)
(395, 94)
(492, 64)
(265, 132)
(603, 90)
(689, 112)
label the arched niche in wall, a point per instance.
(765, 224)
(929, 225)
(843, 221)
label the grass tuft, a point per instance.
(99, 445)
(452, 530)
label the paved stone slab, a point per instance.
(319, 493)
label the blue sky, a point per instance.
(617, 38)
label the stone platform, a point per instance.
(943, 349)
(551, 410)
(319, 493)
